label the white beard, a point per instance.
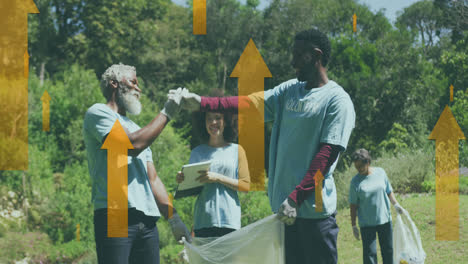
(129, 102)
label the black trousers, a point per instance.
(141, 246)
(369, 244)
(312, 241)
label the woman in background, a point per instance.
(217, 210)
(370, 194)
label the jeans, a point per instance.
(141, 246)
(212, 232)
(369, 244)
(312, 241)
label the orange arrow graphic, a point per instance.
(45, 111)
(354, 23)
(318, 191)
(251, 71)
(451, 93)
(78, 232)
(170, 209)
(26, 65)
(447, 133)
(117, 145)
(199, 17)
(14, 83)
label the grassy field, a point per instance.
(422, 211)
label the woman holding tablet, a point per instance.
(217, 210)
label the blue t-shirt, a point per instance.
(302, 120)
(217, 205)
(370, 194)
(98, 122)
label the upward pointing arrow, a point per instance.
(447, 133)
(26, 65)
(45, 111)
(117, 144)
(251, 71)
(354, 23)
(14, 83)
(199, 17)
(318, 191)
(14, 35)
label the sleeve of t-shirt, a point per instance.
(322, 162)
(243, 171)
(388, 185)
(339, 122)
(194, 156)
(270, 103)
(98, 122)
(353, 197)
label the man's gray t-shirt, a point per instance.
(98, 122)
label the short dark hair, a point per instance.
(199, 127)
(361, 155)
(316, 39)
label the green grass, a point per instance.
(420, 206)
(422, 211)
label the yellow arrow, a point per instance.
(26, 65)
(447, 133)
(117, 145)
(318, 191)
(354, 23)
(170, 208)
(78, 232)
(251, 71)
(199, 17)
(451, 93)
(45, 111)
(14, 83)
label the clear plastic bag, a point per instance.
(407, 246)
(258, 243)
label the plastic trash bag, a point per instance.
(407, 247)
(258, 243)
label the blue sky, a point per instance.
(391, 6)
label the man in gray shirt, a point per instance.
(147, 196)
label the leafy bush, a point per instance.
(17, 246)
(428, 186)
(396, 139)
(68, 252)
(254, 206)
(71, 206)
(408, 170)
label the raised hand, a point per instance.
(172, 105)
(189, 101)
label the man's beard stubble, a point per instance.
(128, 100)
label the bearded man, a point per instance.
(147, 196)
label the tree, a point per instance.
(455, 17)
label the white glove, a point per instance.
(179, 229)
(287, 212)
(189, 101)
(172, 105)
(356, 232)
(398, 208)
